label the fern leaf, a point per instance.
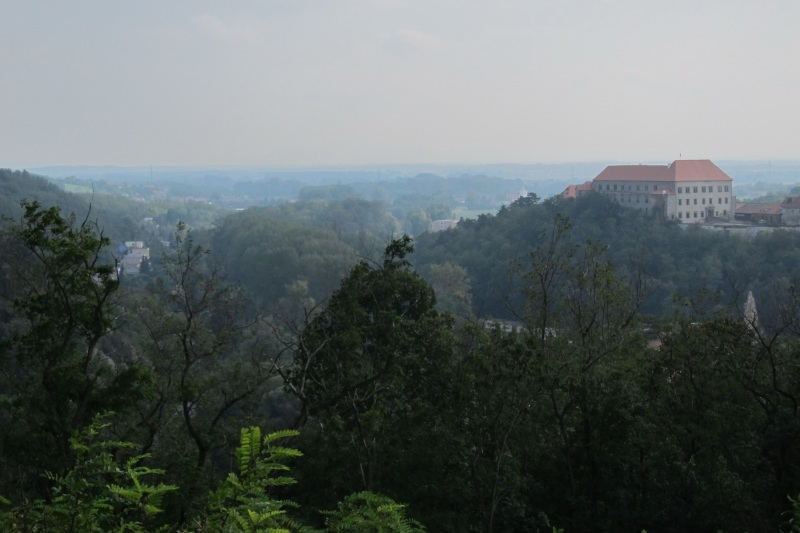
(282, 434)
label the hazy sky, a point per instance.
(346, 82)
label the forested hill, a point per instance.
(18, 185)
(589, 417)
(672, 260)
(120, 218)
(304, 248)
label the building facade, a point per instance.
(442, 225)
(688, 191)
(791, 211)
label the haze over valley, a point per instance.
(399, 265)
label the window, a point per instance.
(695, 201)
(702, 214)
(646, 200)
(655, 187)
(637, 187)
(695, 214)
(725, 212)
(680, 190)
(704, 201)
(680, 215)
(695, 189)
(703, 189)
(726, 200)
(645, 187)
(688, 214)
(615, 186)
(719, 200)
(726, 188)
(719, 188)
(679, 201)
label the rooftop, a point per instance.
(756, 209)
(682, 170)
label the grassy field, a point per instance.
(463, 212)
(77, 189)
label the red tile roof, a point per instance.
(791, 203)
(758, 209)
(634, 173)
(697, 170)
(572, 190)
(683, 170)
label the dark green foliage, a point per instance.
(55, 374)
(243, 502)
(103, 493)
(366, 512)
(268, 256)
(211, 361)
(99, 492)
(366, 372)
(674, 259)
(579, 411)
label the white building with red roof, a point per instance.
(573, 191)
(687, 190)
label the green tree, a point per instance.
(55, 375)
(452, 287)
(211, 359)
(365, 370)
(704, 466)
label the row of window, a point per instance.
(702, 214)
(710, 201)
(629, 199)
(622, 187)
(681, 190)
(703, 188)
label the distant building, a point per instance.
(130, 265)
(133, 253)
(140, 251)
(688, 191)
(768, 214)
(790, 209)
(441, 225)
(574, 191)
(751, 313)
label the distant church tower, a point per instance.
(750, 312)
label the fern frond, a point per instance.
(281, 452)
(242, 521)
(249, 448)
(281, 434)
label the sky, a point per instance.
(302, 83)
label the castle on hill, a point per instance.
(688, 191)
